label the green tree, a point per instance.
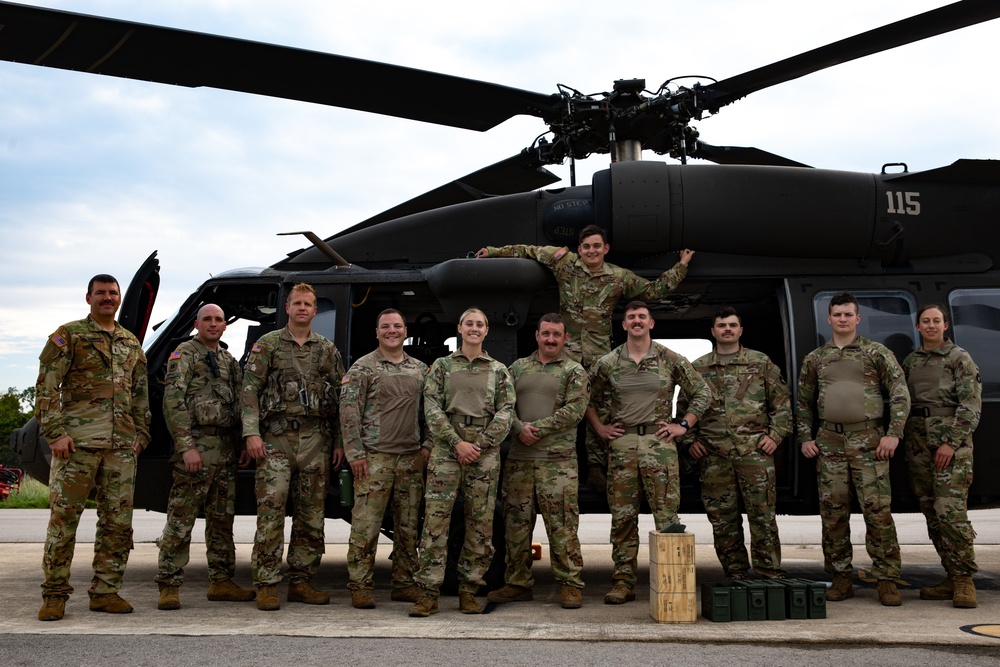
(16, 407)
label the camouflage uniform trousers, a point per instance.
(296, 463)
(639, 462)
(846, 458)
(943, 497)
(215, 486)
(70, 482)
(727, 482)
(477, 483)
(596, 447)
(396, 479)
(556, 486)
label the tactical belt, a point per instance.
(465, 420)
(215, 430)
(932, 412)
(295, 423)
(851, 428)
(640, 429)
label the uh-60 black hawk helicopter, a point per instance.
(775, 238)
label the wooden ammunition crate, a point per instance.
(672, 587)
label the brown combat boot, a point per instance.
(511, 593)
(943, 590)
(111, 603)
(467, 603)
(571, 597)
(267, 598)
(53, 608)
(426, 605)
(409, 593)
(303, 591)
(227, 591)
(363, 598)
(888, 594)
(965, 593)
(841, 588)
(620, 593)
(170, 597)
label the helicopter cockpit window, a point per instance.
(887, 317)
(975, 325)
(325, 322)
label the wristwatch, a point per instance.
(684, 423)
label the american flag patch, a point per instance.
(58, 340)
(256, 347)
(345, 379)
(175, 355)
(561, 252)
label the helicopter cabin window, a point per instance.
(975, 325)
(887, 317)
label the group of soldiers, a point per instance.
(417, 437)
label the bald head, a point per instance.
(210, 325)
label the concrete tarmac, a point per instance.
(859, 621)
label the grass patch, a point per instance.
(33, 496)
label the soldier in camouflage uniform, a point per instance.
(841, 384)
(200, 408)
(380, 429)
(289, 412)
(469, 406)
(552, 394)
(947, 400)
(734, 443)
(589, 290)
(631, 399)
(92, 405)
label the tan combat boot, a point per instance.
(467, 603)
(111, 603)
(620, 593)
(426, 605)
(303, 591)
(944, 590)
(363, 598)
(170, 597)
(227, 591)
(965, 593)
(410, 593)
(571, 597)
(267, 598)
(841, 588)
(53, 608)
(888, 594)
(511, 593)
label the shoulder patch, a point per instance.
(175, 355)
(561, 252)
(58, 340)
(345, 379)
(256, 347)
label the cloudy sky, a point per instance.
(97, 172)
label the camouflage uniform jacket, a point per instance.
(194, 397)
(498, 406)
(946, 377)
(749, 401)
(881, 370)
(587, 299)
(92, 386)
(275, 388)
(364, 401)
(557, 431)
(672, 370)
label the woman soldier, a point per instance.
(946, 399)
(469, 406)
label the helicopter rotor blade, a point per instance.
(519, 173)
(65, 40)
(742, 155)
(935, 22)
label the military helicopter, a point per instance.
(776, 238)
